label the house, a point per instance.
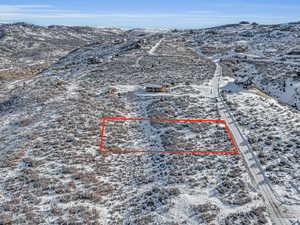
(156, 88)
(112, 91)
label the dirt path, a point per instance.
(260, 181)
(153, 49)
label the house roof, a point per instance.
(153, 85)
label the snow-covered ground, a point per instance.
(52, 172)
(50, 137)
(258, 83)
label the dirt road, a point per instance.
(260, 181)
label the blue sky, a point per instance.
(149, 14)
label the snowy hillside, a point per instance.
(265, 56)
(51, 125)
(26, 49)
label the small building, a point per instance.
(156, 88)
(112, 91)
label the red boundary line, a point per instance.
(102, 134)
(172, 151)
(206, 151)
(164, 119)
(231, 137)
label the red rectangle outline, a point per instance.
(222, 121)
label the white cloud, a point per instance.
(14, 8)
(48, 14)
(202, 12)
(17, 11)
(47, 11)
(257, 5)
(33, 6)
